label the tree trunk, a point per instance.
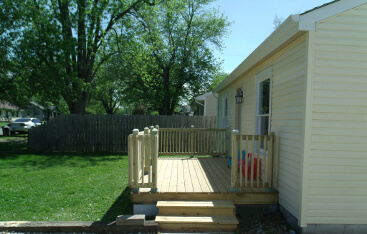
(79, 106)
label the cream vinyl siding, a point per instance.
(211, 105)
(337, 191)
(288, 91)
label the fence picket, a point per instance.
(101, 133)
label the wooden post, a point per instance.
(192, 141)
(241, 161)
(275, 147)
(154, 147)
(252, 161)
(234, 158)
(227, 140)
(130, 157)
(271, 159)
(135, 159)
(146, 149)
(151, 129)
(258, 160)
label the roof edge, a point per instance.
(290, 27)
(309, 18)
(285, 31)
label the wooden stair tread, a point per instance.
(214, 219)
(195, 204)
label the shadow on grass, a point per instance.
(121, 206)
(17, 155)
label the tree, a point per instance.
(56, 44)
(107, 88)
(177, 38)
(216, 80)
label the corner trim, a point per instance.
(305, 162)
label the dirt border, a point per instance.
(77, 227)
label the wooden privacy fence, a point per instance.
(143, 158)
(102, 133)
(254, 161)
(193, 141)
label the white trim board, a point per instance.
(307, 22)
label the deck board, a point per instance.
(193, 175)
(187, 177)
(167, 176)
(180, 177)
(200, 179)
(173, 178)
(205, 185)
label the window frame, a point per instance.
(264, 75)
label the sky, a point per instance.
(252, 22)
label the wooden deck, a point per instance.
(203, 178)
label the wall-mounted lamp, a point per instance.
(239, 95)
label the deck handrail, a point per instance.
(143, 158)
(260, 165)
(193, 141)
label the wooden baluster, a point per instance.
(247, 149)
(131, 160)
(146, 150)
(258, 161)
(234, 157)
(154, 147)
(192, 141)
(252, 161)
(136, 157)
(241, 145)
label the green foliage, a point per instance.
(54, 48)
(216, 80)
(173, 57)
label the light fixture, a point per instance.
(239, 95)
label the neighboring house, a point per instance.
(8, 110)
(308, 83)
(36, 110)
(207, 104)
(185, 110)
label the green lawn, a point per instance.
(62, 186)
(3, 124)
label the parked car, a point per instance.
(23, 125)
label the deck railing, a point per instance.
(193, 141)
(143, 158)
(254, 161)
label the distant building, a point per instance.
(206, 104)
(8, 110)
(36, 110)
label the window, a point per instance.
(36, 121)
(263, 102)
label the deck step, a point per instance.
(196, 216)
(196, 207)
(197, 223)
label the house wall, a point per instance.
(337, 180)
(288, 98)
(211, 105)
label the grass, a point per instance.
(3, 124)
(62, 186)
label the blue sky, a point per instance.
(253, 23)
